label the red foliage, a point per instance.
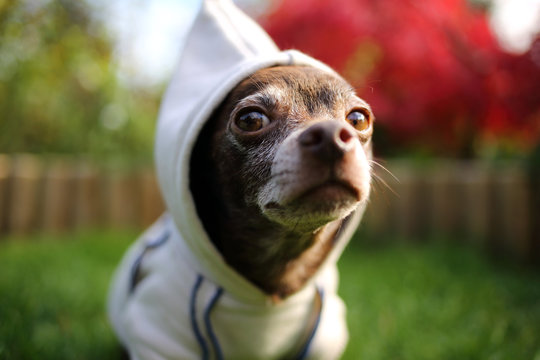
(432, 70)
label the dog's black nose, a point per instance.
(328, 140)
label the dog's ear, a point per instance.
(203, 179)
(206, 184)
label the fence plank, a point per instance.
(58, 198)
(407, 207)
(152, 205)
(25, 194)
(122, 200)
(512, 209)
(378, 214)
(442, 199)
(476, 185)
(89, 198)
(5, 173)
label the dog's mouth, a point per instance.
(315, 206)
(329, 194)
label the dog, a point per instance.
(263, 158)
(279, 175)
(284, 161)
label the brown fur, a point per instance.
(230, 167)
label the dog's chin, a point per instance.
(314, 207)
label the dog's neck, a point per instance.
(277, 259)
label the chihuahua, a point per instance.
(278, 168)
(278, 177)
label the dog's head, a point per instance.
(293, 144)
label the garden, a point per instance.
(445, 264)
(432, 301)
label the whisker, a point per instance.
(379, 180)
(384, 168)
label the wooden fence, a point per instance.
(494, 206)
(62, 194)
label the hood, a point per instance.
(223, 47)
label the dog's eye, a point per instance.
(358, 119)
(252, 121)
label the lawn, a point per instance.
(438, 301)
(53, 294)
(404, 302)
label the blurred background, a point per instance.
(454, 85)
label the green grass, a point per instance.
(438, 301)
(404, 302)
(52, 297)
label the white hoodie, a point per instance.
(173, 295)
